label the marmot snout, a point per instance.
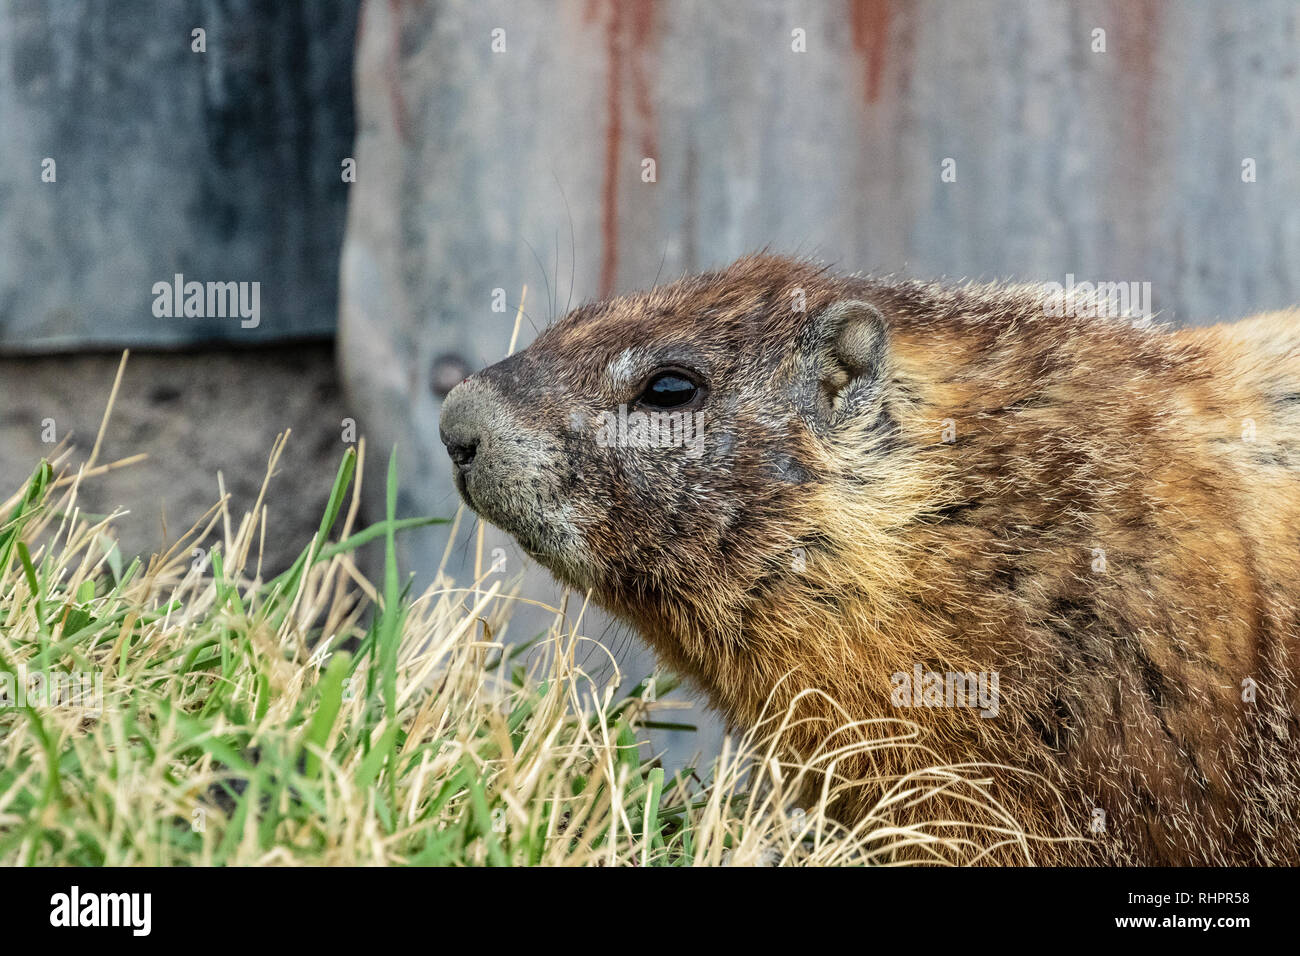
(788, 479)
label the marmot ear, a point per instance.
(857, 333)
(850, 340)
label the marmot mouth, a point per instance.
(524, 539)
(543, 549)
(462, 486)
(530, 545)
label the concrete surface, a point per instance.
(193, 414)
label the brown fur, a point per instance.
(1103, 531)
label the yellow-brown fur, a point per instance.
(1106, 516)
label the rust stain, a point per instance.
(613, 144)
(401, 115)
(629, 33)
(642, 29)
(1138, 48)
(870, 24)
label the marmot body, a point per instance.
(883, 478)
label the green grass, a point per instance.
(318, 718)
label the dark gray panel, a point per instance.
(221, 166)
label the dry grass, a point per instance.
(321, 718)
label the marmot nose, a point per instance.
(466, 414)
(462, 452)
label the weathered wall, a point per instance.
(482, 170)
(193, 414)
(221, 166)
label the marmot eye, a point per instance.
(668, 390)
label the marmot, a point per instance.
(853, 481)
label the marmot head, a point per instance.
(667, 449)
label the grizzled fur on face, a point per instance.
(882, 477)
(558, 462)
